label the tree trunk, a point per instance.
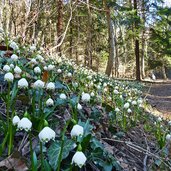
(89, 37)
(59, 24)
(110, 39)
(137, 51)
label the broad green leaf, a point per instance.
(54, 152)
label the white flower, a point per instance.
(45, 68)
(14, 57)
(33, 61)
(62, 96)
(104, 84)
(159, 119)
(50, 67)
(77, 130)
(22, 83)
(85, 97)
(117, 109)
(126, 105)
(79, 159)
(17, 70)
(139, 101)
(134, 102)
(15, 120)
(169, 123)
(50, 86)
(9, 77)
(11, 65)
(39, 57)
(92, 94)
(13, 45)
(25, 124)
(69, 74)
(6, 68)
(79, 107)
(116, 92)
(49, 102)
(59, 71)
(46, 134)
(129, 110)
(32, 48)
(168, 137)
(38, 84)
(37, 70)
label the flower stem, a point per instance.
(42, 158)
(31, 151)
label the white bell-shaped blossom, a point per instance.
(117, 109)
(49, 102)
(50, 67)
(134, 102)
(126, 105)
(14, 57)
(13, 45)
(45, 68)
(17, 70)
(116, 91)
(168, 137)
(38, 84)
(79, 159)
(77, 130)
(46, 134)
(22, 83)
(59, 71)
(63, 96)
(37, 70)
(12, 66)
(32, 48)
(50, 86)
(33, 61)
(15, 120)
(39, 57)
(25, 124)
(79, 107)
(129, 110)
(9, 77)
(85, 97)
(6, 68)
(69, 74)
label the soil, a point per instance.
(159, 96)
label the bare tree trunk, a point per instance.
(59, 23)
(71, 40)
(137, 51)
(111, 40)
(89, 37)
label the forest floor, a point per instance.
(159, 96)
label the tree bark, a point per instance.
(110, 39)
(59, 24)
(137, 51)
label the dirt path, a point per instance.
(159, 96)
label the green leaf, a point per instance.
(54, 152)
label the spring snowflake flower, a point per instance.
(22, 83)
(117, 109)
(62, 96)
(126, 105)
(134, 102)
(49, 102)
(116, 91)
(69, 74)
(32, 48)
(85, 97)
(59, 71)
(12, 66)
(25, 124)
(46, 134)
(50, 86)
(129, 110)
(50, 67)
(92, 94)
(9, 77)
(159, 119)
(79, 159)
(37, 70)
(168, 137)
(39, 57)
(33, 61)
(139, 101)
(17, 70)
(38, 84)
(14, 57)
(45, 68)
(15, 120)
(77, 130)
(13, 45)
(6, 68)
(79, 107)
